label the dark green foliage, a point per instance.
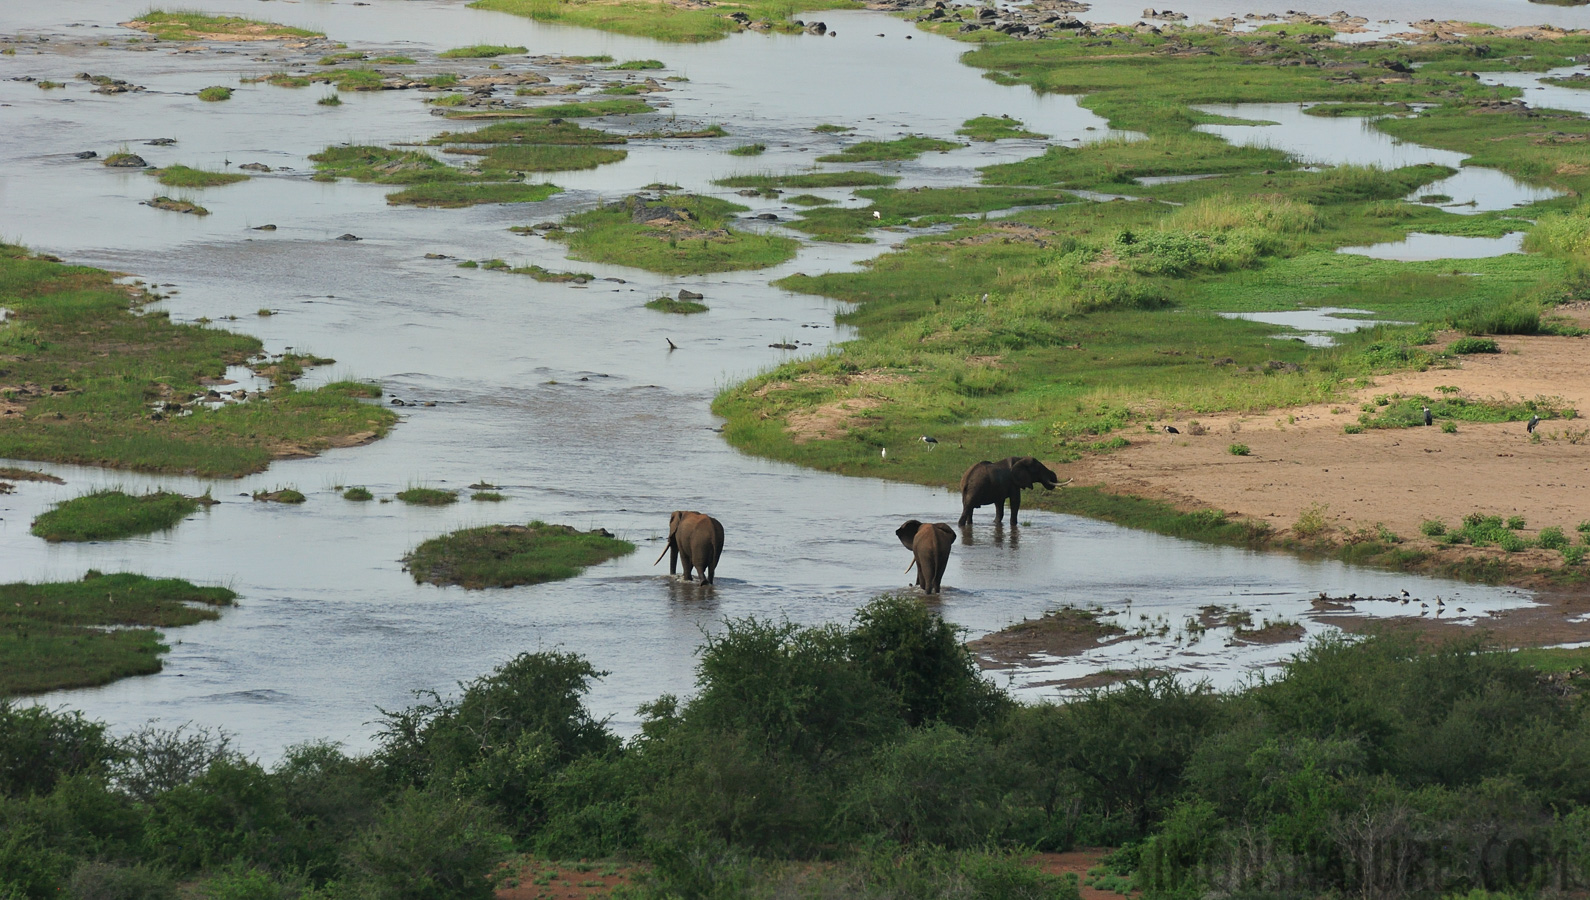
(904, 646)
(1473, 345)
(429, 845)
(40, 746)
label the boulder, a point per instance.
(690, 295)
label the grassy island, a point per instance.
(678, 234)
(511, 555)
(108, 515)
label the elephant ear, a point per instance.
(673, 523)
(944, 531)
(907, 533)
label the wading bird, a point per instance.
(930, 440)
(876, 214)
(1428, 419)
(1533, 421)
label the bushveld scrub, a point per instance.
(197, 26)
(482, 51)
(106, 413)
(108, 515)
(661, 22)
(903, 148)
(865, 759)
(182, 176)
(679, 234)
(509, 555)
(55, 636)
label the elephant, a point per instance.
(696, 537)
(931, 544)
(995, 482)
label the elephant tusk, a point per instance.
(910, 567)
(660, 555)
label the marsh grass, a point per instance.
(875, 151)
(329, 100)
(675, 24)
(809, 180)
(185, 25)
(487, 497)
(995, 128)
(280, 79)
(828, 128)
(530, 132)
(748, 150)
(358, 493)
(94, 631)
(111, 515)
(510, 555)
(695, 239)
(182, 176)
(215, 93)
(116, 363)
(424, 496)
(287, 495)
(522, 158)
(810, 200)
(635, 65)
(452, 196)
(671, 305)
(483, 51)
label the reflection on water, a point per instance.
(1314, 327)
(1348, 140)
(1418, 246)
(568, 398)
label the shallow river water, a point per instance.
(566, 396)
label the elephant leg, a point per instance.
(1015, 508)
(673, 557)
(709, 570)
(689, 567)
(999, 511)
(966, 514)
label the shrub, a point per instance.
(215, 93)
(1514, 523)
(156, 760)
(1574, 555)
(1511, 542)
(1432, 527)
(1474, 345)
(1311, 521)
(1352, 429)
(40, 746)
(1238, 450)
(108, 881)
(1552, 538)
(429, 845)
(1449, 427)
(921, 658)
(936, 786)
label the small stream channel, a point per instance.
(566, 396)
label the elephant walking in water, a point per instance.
(696, 537)
(995, 482)
(930, 543)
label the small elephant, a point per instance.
(995, 482)
(699, 539)
(931, 544)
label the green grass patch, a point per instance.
(917, 206)
(995, 128)
(1407, 411)
(176, 205)
(280, 79)
(808, 180)
(182, 176)
(680, 234)
(95, 631)
(118, 366)
(360, 78)
(487, 497)
(482, 51)
(289, 496)
(454, 196)
(579, 109)
(358, 493)
(339, 58)
(671, 305)
(329, 100)
(639, 65)
(197, 26)
(875, 151)
(510, 555)
(424, 496)
(215, 93)
(828, 128)
(531, 132)
(110, 515)
(748, 150)
(394, 60)
(519, 159)
(663, 22)
(810, 200)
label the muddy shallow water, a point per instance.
(566, 396)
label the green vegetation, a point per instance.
(122, 157)
(579, 109)
(359, 78)
(215, 93)
(83, 335)
(679, 234)
(329, 100)
(810, 200)
(452, 196)
(995, 128)
(487, 497)
(809, 180)
(748, 150)
(196, 26)
(918, 206)
(639, 64)
(358, 493)
(1473, 345)
(289, 496)
(660, 21)
(1407, 411)
(82, 634)
(827, 128)
(520, 158)
(1238, 450)
(424, 496)
(904, 148)
(280, 79)
(868, 759)
(338, 58)
(533, 132)
(511, 555)
(670, 305)
(109, 515)
(182, 176)
(482, 51)
(46, 85)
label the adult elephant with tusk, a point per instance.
(696, 537)
(995, 482)
(930, 544)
